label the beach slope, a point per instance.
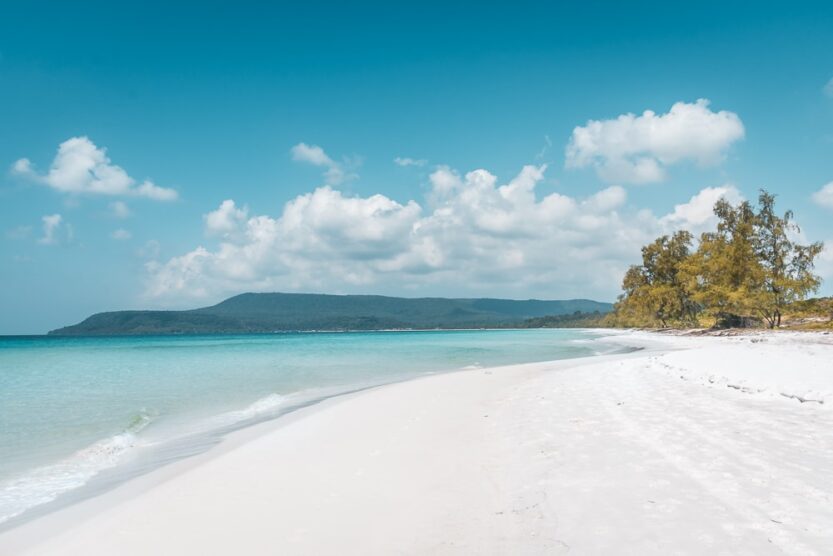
(698, 446)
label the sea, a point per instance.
(80, 415)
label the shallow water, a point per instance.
(71, 408)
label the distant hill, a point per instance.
(276, 312)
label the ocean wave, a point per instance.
(44, 484)
(260, 408)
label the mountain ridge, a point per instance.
(284, 312)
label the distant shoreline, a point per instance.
(716, 332)
(270, 312)
(289, 332)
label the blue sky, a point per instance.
(296, 114)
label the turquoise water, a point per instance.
(71, 408)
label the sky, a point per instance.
(169, 156)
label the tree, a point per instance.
(787, 267)
(749, 269)
(656, 291)
(725, 273)
(633, 307)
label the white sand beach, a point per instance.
(696, 445)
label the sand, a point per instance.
(693, 446)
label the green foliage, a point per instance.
(787, 267)
(748, 270)
(810, 314)
(725, 272)
(658, 291)
(817, 306)
(577, 319)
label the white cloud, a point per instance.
(828, 88)
(697, 215)
(153, 191)
(474, 235)
(638, 149)
(55, 230)
(119, 209)
(226, 220)
(22, 166)
(406, 161)
(606, 199)
(824, 196)
(335, 173)
(312, 154)
(121, 234)
(80, 167)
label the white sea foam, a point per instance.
(44, 484)
(601, 345)
(264, 407)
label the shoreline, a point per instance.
(147, 458)
(468, 440)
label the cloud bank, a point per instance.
(697, 215)
(639, 149)
(226, 220)
(80, 167)
(471, 234)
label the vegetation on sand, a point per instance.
(749, 271)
